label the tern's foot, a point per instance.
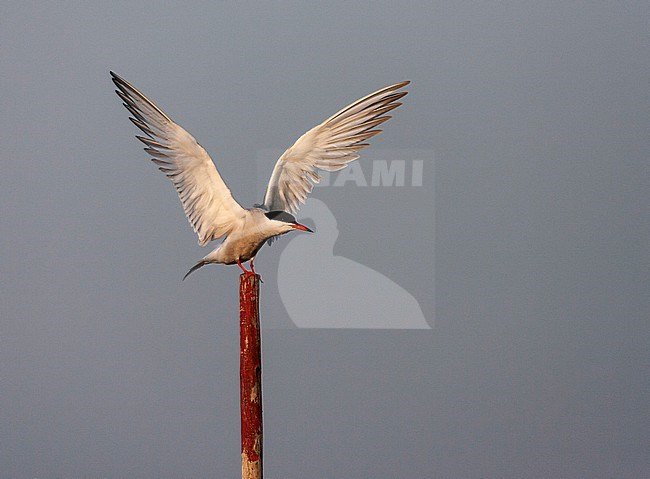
(250, 273)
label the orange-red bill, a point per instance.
(300, 227)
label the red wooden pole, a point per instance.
(250, 376)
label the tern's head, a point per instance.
(285, 221)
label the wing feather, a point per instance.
(329, 146)
(207, 201)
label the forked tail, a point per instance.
(198, 265)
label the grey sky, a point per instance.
(536, 114)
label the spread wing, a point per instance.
(329, 146)
(207, 201)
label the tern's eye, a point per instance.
(280, 216)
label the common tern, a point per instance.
(208, 204)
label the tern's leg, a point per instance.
(242, 268)
(253, 269)
(251, 264)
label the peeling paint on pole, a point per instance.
(250, 377)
